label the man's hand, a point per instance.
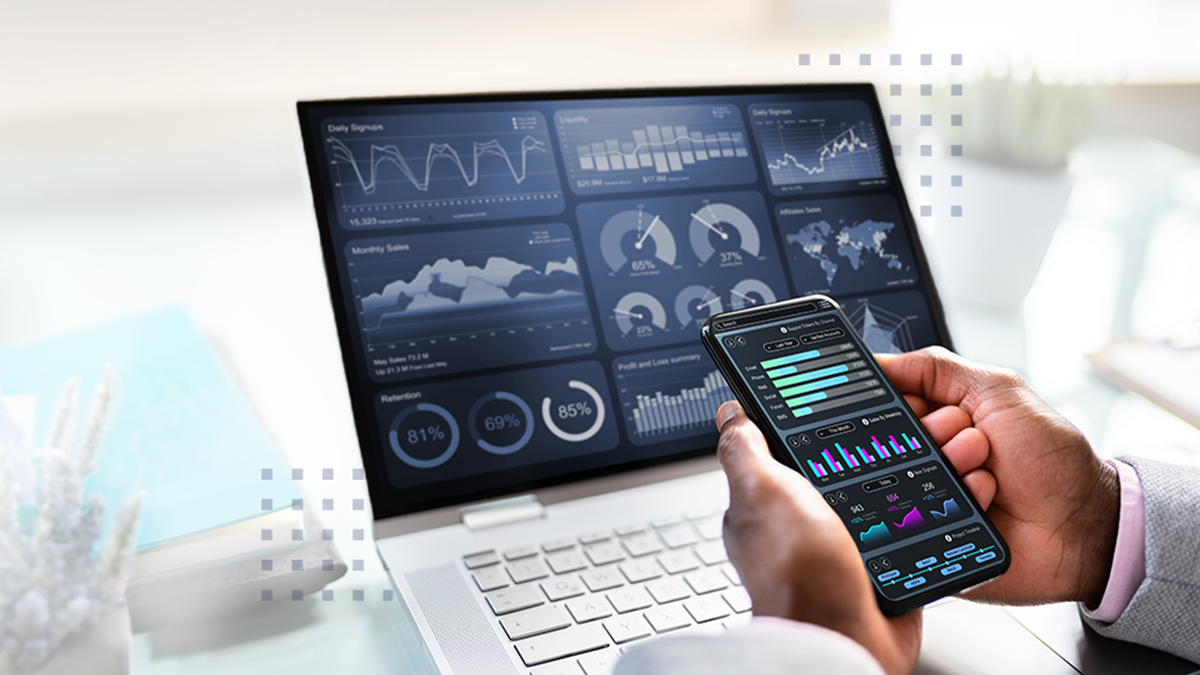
(1054, 501)
(795, 557)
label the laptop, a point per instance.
(518, 282)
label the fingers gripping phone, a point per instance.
(805, 377)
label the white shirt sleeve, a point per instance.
(766, 646)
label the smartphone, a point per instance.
(806, 378)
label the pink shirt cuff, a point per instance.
(1129, 557)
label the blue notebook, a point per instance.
(180, 432)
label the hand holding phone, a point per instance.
(806, 379)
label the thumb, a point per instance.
(742, 449)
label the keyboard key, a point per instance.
(564, 667)
(668, 590)
(534, 622)
(711, 552)
(490, 578)
(626, 530)
(602, 579)
(678, 561)
(527, 570)
(736, 621)
(701, 514)
(516, 598)
(665, 522)
(641, 544)
(678, 536)
(595, 536)
(707, 608)
(477, 560)
(668, 617)
(602, 554)
(628, 628)
(552, 545)
(561, 588)
(731, 574)
(599, 663)
(630, 599)
(518, 552)
(563, 643)
(709, 528)
(640, 570)
(566, 561)
(706, 581)
(738, 599)
(589, 608)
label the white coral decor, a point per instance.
(56, 581)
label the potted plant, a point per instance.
(62, 589)
(1005, 182)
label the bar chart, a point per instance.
(663, 148)
(622, 149)
(669, 394)
(839, 459)
(819, 380)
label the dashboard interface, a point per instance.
(519, 280)
(851, 435)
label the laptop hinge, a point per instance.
(502, 512)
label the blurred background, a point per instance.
(149, 156)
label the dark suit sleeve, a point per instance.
(1165, 611)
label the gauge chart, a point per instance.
(724, 228)
(664, 265)
(644, 235)
(697, 303)
(450, 428)
(608, 150)
(640, 313)
(405, 170)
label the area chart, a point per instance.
(446, 302)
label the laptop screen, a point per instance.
(519, 280)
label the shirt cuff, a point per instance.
(798, 630)
(1129, 557)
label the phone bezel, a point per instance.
(750, 404)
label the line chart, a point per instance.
(391, 154)
(822, 146)
(844, 143)
(409, 170)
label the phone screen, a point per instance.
(808, 381)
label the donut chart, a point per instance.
(491, 425)
(413, 435)
(719, 220)
(646, 226)
(596, 409)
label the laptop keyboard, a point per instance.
(571, 605)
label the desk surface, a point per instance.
(183, 227)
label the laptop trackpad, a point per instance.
(465, 636)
